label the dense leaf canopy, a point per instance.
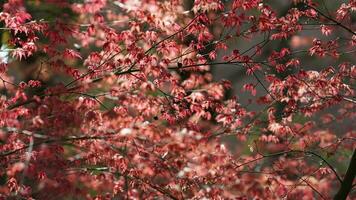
(119, 99)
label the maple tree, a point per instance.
(117, 100)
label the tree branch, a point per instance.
(333, 20)
(297, 151)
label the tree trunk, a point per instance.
(346, 184)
